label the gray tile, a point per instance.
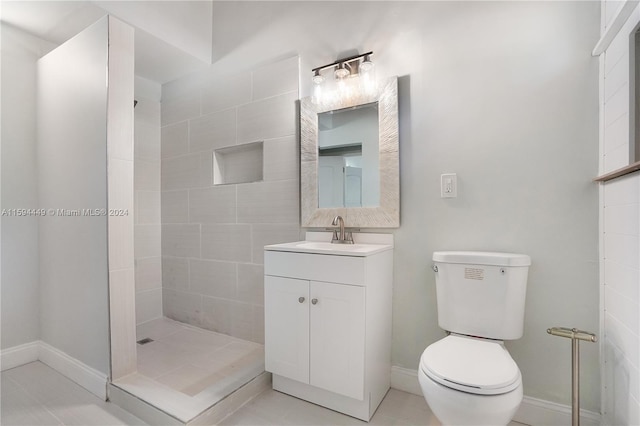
(238, 164)
(281, 159)
(212, 131)
(175, 139)
(175, 273)
(147, 111)
(226, 93)
(228, 317)
(226, 242)
(148, 305)
(175, 206)
(146, 175)
(269, 118)
(213, 205)
(147, 207)
(212, 278)
(148, 273)
(265, 234)
(182, 306)
(17, 407)
(147, 241)
(181, 240)
(187, 171)
(180, 108)
(276, 79)
(65, 400)
(269, 202)
(257, 330)
(251, 283)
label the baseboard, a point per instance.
(92, 380)
(19, 355)
(532, 411)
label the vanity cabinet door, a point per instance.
(337, 329)
(286, 317)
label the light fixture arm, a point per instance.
(341, 61)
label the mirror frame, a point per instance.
(387, 214)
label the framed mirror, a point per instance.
(349, 160)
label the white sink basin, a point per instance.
(319, 247)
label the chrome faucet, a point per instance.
(343, 237)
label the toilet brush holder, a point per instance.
(575, 335)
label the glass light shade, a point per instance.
(366, 64)
(317, 78)
(341, 72)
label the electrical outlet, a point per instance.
(448, 185)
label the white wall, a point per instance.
(20, 290)
(620, 235)
(72, 174)
(505, 95)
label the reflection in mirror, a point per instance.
(348, 158)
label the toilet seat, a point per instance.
(469, 364)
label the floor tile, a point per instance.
(35, 394)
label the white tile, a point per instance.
(183, 377)
(251, 283)
(226, 242)
(157, 329)
(147, 207)
(616, 106)
(212, 278)
(148, 273)
(147, 140)
(269, 118)
(146, 175)
(147, 241)
(196, 341)
(622, 308)
(616, 159)
(180, 108)
(147, 111)
(122, 319)
(228, 317)
(239, 164)
(620, 336)
(187, 171)
(148, 305)
(181, 240)
(622, 219)
(265, 234)
(281, 158)
(213, 205)
(623, 190)
(227, 92)
(618, 48)
(120, 195)
(623, 278)
(622, 249)
(616, 135)
(269, 202)
(175, 139)
(175, 206)
(617, 78)
(175, 273)
(276, 79)
(212, 131)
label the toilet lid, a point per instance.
(471, 365)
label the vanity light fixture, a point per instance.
(343, 71)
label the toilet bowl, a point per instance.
(469, 377)
(470, 381)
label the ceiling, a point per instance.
(173, 38)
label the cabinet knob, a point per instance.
(314, 301)
(301, 299)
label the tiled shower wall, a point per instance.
(213, 236)
(147, 208)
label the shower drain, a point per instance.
(144, 341)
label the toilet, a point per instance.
(469, 377)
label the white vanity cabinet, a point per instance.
(328, 323)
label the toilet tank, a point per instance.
(481, 293)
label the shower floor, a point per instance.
(185, 370)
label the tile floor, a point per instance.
(34, 394)
(186, 370)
